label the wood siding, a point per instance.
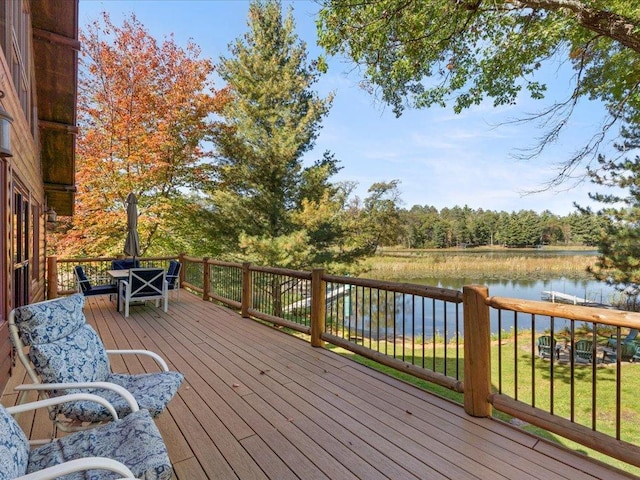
(21, 174)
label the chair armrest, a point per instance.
(123, 392)
(159, 360)
(79, 465)
(71, 397)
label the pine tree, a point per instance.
(272, 120)
(619, 240)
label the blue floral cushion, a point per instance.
(14, 447)
(78, 357)
(52, 320)
(152, 391)
(133, 440)
(65, 349)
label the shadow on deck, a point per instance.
(260, 404)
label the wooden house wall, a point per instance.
(21, 174)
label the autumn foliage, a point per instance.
(144, 110)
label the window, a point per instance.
(20, 54)
(15, 40)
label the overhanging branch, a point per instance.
(609, 24)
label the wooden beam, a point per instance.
(48, 124)
(56, 38)
(318, 306)
(59, 187)
(477, 351)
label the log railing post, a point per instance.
(477, 351)
(183, 268)
(247, 290)
(206, 279)
(318, 306)
(52, 277)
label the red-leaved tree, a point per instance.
(144, 110)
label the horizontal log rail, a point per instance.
(445, 294)
(443, 336)
(604, 316)
(624, 451)
(281, 271)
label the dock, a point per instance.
(559, 297)
(305, 303)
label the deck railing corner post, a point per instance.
(477, 351)
(52, 277)
(181, 259)
(247, 290)
(318, 306)
(206, 279)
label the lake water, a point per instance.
(414, 317)
(530, 289)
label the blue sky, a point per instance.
(440, 158)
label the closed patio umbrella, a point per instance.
(132, 244)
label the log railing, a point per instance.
(61, 278)
(545, 391)
(485, 348)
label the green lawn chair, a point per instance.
(628, 352)
(547, 346)
(583, 350)
(631, 337)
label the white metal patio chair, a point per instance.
(125, 448)
(144, 284)
(65, 355)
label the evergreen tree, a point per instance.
(619, 242)
(268, 206)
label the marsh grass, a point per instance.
(426, 264)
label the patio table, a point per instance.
(118, 276)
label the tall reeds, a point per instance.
(489, 266)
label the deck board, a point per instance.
(260, 404)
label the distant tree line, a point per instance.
(426, 227)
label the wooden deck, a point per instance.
(260, 404)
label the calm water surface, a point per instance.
(529, 289)
(414, 317)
